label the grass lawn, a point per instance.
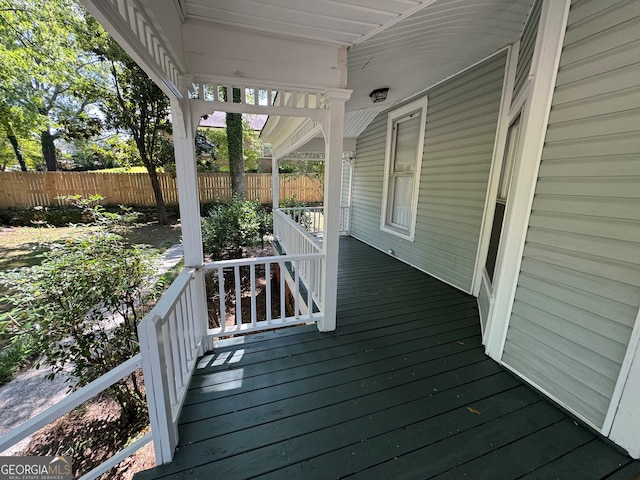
(124, 170)
(22, 246)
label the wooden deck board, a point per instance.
(402, 389)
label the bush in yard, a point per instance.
(82, 304)
(53, 215)
(15, 354)
(230, 226)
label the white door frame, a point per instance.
(536, 98)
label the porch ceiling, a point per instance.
(406, 45)
(340, 22)
(424, 48)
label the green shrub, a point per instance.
(230, 226)
(54, 215)
(63, 215)
(82, 304)
(15, 355)
(292, 202)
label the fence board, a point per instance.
(30, 189)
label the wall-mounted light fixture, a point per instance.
(379, 94)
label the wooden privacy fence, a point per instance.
(30, 189)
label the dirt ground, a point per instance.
(91, 434)
(213, 298)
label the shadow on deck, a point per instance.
(402, 389)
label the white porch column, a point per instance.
(333, 129)
(275, 183)
(187, 180)
(184, 128)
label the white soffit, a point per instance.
(407, 46)
(340, 22)
(431, 45)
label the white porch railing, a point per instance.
(74, 400)
(300, 277)
(171, 337)
(345, 220)
(311, 219)
(172, 334)
(295, 239)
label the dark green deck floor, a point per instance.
(401, 389)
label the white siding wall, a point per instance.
(461, 122)
(578, 291)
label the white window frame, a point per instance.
(393, 117)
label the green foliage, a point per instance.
(53, 215)
(30, 148)
(252, 147)
(292, 202)
(113, 151)
(82, 304)
(15, 355)
(48, 80)
(310, 168)
(136, 104)
(230, 226)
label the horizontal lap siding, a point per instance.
(527, 46)
(579, 287)
(462, 115)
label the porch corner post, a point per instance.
(333, 128)
(275, 183)
(184, 127)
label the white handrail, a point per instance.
(298, 277)
(292, 236)
(310, 219)
(72, 401)
(170, 339)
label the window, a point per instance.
(506, 173)
(405, 138)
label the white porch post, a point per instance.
(333, 128)
(275, 183)
(184, 128)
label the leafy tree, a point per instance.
(6, 122)
(29, 147)
(82, 304)
(236, 156)
(251, 146)
(48, 81)
(137, 104)
(235, 147)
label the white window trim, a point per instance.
(420, 104)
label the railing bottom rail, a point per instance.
(263, 325)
